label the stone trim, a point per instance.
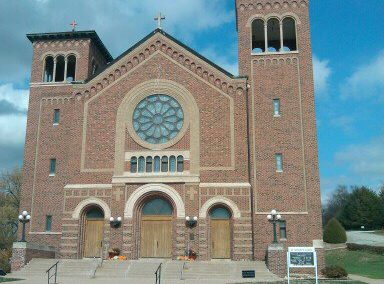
(25, 245)
(45, 233)
(236, 214)
(231, 185)
(152, 153)
(172, 193)
(89, 201)
(88, 186)
(185, 177)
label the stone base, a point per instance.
(277, 259)
(23, 252)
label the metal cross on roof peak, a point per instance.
(73, 24)
(159, 18)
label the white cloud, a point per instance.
(322, 72)
(18, 98)
(364, 160)
(366, 81)
(344, 122)
(221, 60)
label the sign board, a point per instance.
(248, 273)
(302, 257)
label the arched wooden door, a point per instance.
(220, 233)
(156, 229)
(93, 232)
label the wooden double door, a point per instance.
(156, 237)
(93, 238)
(221, 239)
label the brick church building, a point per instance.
(121, 152)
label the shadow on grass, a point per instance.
(3, 279)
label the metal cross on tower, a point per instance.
(73, 24)
(159, 18)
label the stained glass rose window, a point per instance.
(158, 119)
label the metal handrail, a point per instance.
(53, 275)
(158, 274)
(182, 271)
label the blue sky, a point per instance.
(348, 47)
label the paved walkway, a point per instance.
(366, 279)
(365, 238)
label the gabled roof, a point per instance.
(153, 33)
(73, 35)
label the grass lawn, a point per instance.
(2, 280)
(362, 263)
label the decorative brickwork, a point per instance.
(22, 253)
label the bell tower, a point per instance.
(275, 54)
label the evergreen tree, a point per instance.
(334, 233)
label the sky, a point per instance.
(348, 54)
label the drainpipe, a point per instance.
(249, 170)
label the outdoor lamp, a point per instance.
(24, 218)
(191, 221)
(273, 218)
(115, 223)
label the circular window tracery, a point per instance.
(158, 119)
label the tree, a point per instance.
(334, 233)
(336, 203)
(10, 183)
(363, 208)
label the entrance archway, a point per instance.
(156, 228)
(220, 220)
(93, 230)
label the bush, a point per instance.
(334, 232)
(5, 255)
(334, 272)
(374, 249)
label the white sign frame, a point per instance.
(306, 250)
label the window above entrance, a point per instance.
(158, 119)
(157, 207)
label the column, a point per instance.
(54, 69)
(281, 37)
(65, 68)
(266, 36)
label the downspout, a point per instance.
(249, 170)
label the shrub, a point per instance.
(334, 232)
(374, 249)
(334, 272)
(5, 255)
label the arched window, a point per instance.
(133, 165)
(94, 67)
(141, 164)
(289, 35)
(71, 68)
(180, 164)
(94, 213)
(273, 32)
(156, 165)
(258, 36)
(172, 164)
(220, 213)
(157, 206)
(149, 162)
(60, 66)
(48, 69)
(164, 164)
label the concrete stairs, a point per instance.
(172, 271)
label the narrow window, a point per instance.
(289, 35)
(283, 229)
(276, 107)
(71, 68)
(48, 69)
(172, 164)
(48, 223)
(60, 66)
(180, 164)
(279, 162)
(52, 167)
(56, 116)
(149, 162)
(164, 164)
(95, 67)
(141, 164)
(258, 36)
(156, 165)
(273, 32)
(133, 165)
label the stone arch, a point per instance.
(92, 201)
(219, 200)
(141, 191)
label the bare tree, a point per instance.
(10, 183)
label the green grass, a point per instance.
(2, 280)
(362, 263)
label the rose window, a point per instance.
(158, 119)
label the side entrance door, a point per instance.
(220, 239)
(93, 238)
(156, 237)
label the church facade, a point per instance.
(160, 151)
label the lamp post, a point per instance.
(273, 218)
(24, 218)
(115, 223)
(191, 221)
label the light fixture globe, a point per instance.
(24, 213)
(28, 217)
(278, 217)
(195, 218)
(273, 212)
(118, 219)
(111, 219)
(187, 218)
(20, 217)
(269, 217)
